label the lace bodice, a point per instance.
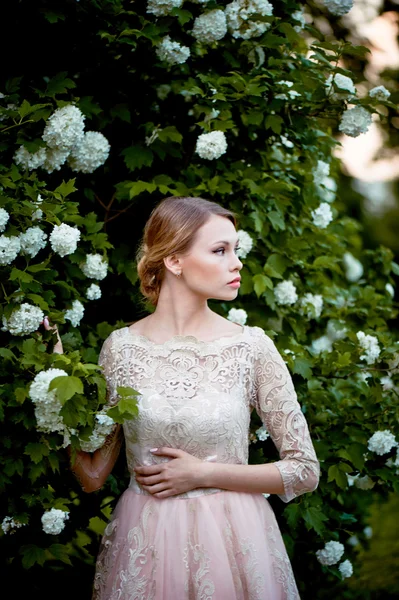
(197, 396)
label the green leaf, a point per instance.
(339, 476)
(32, 554)
(36, 451)
(7, 354)
(276, 220)
(303, 366)
(66, 188)
(137, 156)
(292, 513)
(59, 84)
(60, 551)
(261, 283)
(274, 122)
(170, 134)
(126, 408)
(314, 519)
(16, 274)
(141, 186)
(66, 386)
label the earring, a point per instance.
(178, 274)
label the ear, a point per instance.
(173, 263)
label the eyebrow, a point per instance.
(227, 243)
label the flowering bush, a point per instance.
(238, 102)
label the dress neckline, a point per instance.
(190, 339)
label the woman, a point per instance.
(193, 523)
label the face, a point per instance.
(211, 265)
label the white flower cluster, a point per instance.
(321, 344)
(29, 160)
(343, 83)
(64, 128)
(65, 139)
(390, 289)
(355, 121)
(394, 462)
(37, 213)
(172, 52)
(326, 185)
(237, 315)
(64, 239)
(53, 520)
(23, 320)
(9, 525)
(382, 442)
(89, 153)
(291, 93)
(32, 241)
(353, 267)
(211, 145)
(9, 248)
(75, 314)
(368, 532)
(245, 243)
(4, 217)
(299, 15)
(338, 7)
(103, 427)
(93, 292)
(331, 553)
(240, 18)
(322, 216)
(95, 267)
(369, 343)
(335, 331)
(160, 8)
(285, 293)
(210, 26)
(262, 434)
(311, 305)
(321, 172)
(47, 406)
(346, 569)
(379, 93)
(362, 483)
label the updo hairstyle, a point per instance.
(171, 229)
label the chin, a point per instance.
(229, 295)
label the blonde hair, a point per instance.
(171, 229)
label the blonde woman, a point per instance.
(193, 522)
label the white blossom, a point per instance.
(387, 383)
(382, 442)
(23, 320)
(285, 293)
(327, 189)
(338, 7)
(321, 344)
(211, 145)
(53, 521)
(75, 314)
(64, 239)
(331, 553)
(245, 243)
(93, 292)
(380, 93)
(55, 158)
(240, 16)
(160, 8)
(343, 83)
(355, 121)
(172, 52)
(237, 315)
(37, 213)
(336, 330)
(322, 216)
(47, 406)
(393, 363)
(4, 217)
(321, 172)
(368, 532)
(394, 462)
(95, 267)
(311, 305)
(353, 540)
(390, 289)
(364, 483)
(299, 16)
(262, 434)
(286, 142)
(32, 241)
(89, 153)
(369, 343)
(103, 427)
(210, 26)
(353, 267)
(9, 248)
(346, 569)
(9, 525)
(64, 128)
(29, 160)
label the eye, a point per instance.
(236, 249)
(219, 251)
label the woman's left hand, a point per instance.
(181, 474)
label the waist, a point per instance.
(137, 489)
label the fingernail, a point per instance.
(153, 449)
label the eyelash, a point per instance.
(224, 250)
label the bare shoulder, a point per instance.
(224, 327)
(140, 326)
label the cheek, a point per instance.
(207, 268)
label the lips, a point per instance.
(236, 280)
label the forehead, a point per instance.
(216, 229)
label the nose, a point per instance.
(237, 264)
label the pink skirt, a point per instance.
(220, 546)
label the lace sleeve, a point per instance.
(92, 470)
(276, 403)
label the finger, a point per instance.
(149, 480)
(174, 452)
(155, 489)
(151, 470)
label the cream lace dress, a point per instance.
(207, 544)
